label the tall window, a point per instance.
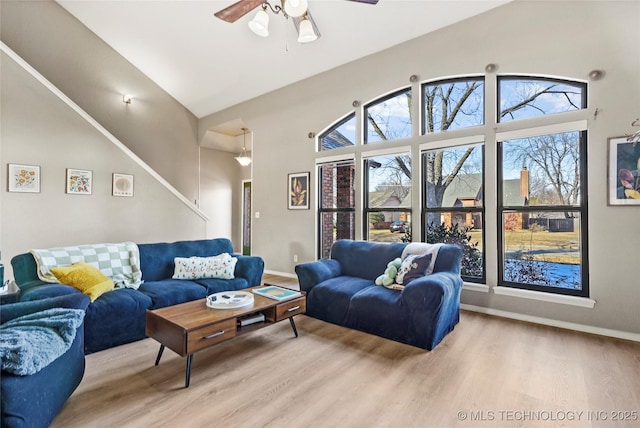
(388, 118)
(336, 215)
(387, 210)
(542, 209)
(342, 134)
(453, 203)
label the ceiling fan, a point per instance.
(296, 9)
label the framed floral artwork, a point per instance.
(122, 185)
(624, 171)
(79, 181)
(23, 178)
(298, 191)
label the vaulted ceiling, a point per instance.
(208, 64)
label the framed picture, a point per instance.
(624, 172)
(79, 181)
(122, 185)
(298, 192)
(23, 178)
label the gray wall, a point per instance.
(38, 129)
(155, 126)
(564, 39)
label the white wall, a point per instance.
(563, 39)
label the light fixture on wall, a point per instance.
(127, 98)
(243, 158)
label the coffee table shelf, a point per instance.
(190, 327)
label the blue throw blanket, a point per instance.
(30, 342)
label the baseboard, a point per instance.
(285, 274)
(554, 323)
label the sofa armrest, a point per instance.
(312, 273)
(431, 289)
(46, 291)
(15, 310)
(250, 268)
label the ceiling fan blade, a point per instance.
(298, 20)
(366, 1)
(238, 10)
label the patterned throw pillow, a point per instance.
(221, 266)
(413, 267)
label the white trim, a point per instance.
(460, 141)
(472, 286)
(336, 158)
(383, 152)
(57, 92)
(625, 335)
(578, 125)
(583, 302)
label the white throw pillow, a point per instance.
(221, 266)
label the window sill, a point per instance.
(472, 286)
(583, 302)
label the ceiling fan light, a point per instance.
(295, 8)
(260, 24)
(306, 33)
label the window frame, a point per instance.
(423, 110)
(425, 210)
(333, 127)
(501, 78)
(581, 208)
(379, 100)
(349, 161)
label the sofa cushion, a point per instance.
(115, 318)
(170, 292)
(364, 259)
(378, 310)
(157, 260)
(85, 278)
(329, 300)
(215, 285)
(413, 267)
(221, 266)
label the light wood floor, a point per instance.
(489, 372)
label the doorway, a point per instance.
(246, 217)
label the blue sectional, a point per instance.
(32, 401)
(341, 290)
(118, 316)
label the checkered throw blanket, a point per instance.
(120, 262)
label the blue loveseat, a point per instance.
(118, 316)
(32, 401)
(341, 290)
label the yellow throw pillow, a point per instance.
(85, 278)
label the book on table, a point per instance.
(276, 293)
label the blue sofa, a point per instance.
(118, 316)
(341, 290)
(32, 401)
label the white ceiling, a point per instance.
(208, 64)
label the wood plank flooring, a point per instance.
(489, 372)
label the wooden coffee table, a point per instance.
(190, 327)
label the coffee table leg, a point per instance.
(187, 378)
(293, 326)
(159, 354)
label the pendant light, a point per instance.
(244, 159)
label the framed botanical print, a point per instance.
(79, 181)
(298, 191)
(23, 178)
